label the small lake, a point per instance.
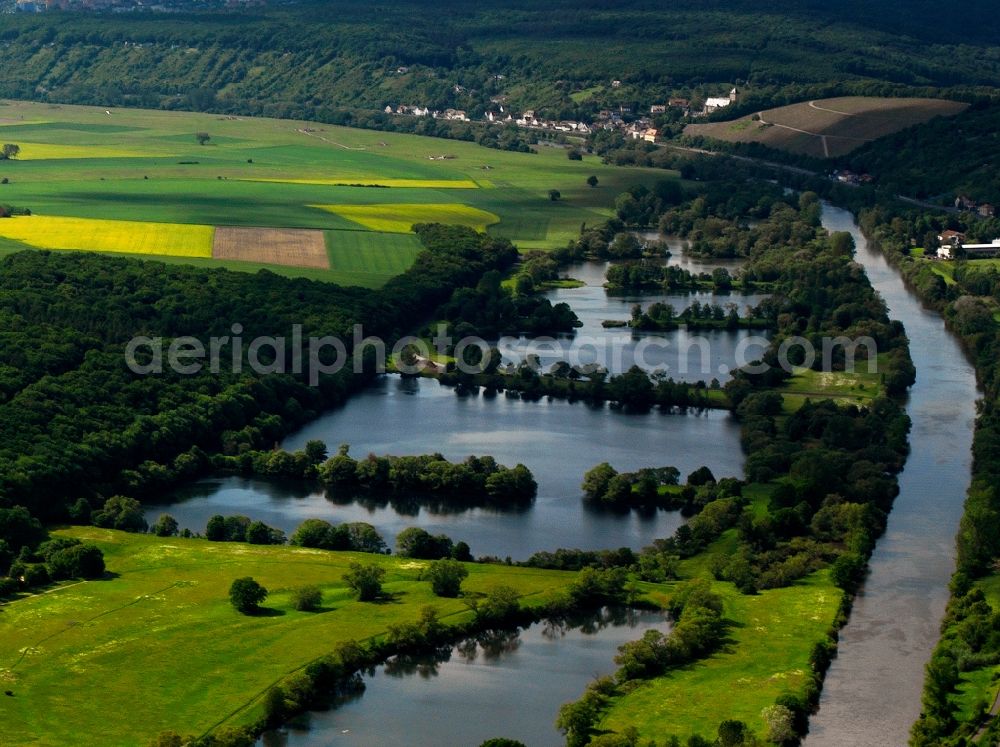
(685, 356)
(557, 440)
(508, 685)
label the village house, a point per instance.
(658, 109)
(965, 203)
(952, 238)
(986, 210)
(714, 103)
(527, 119)
(406, 109)
(650, 135)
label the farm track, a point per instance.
(832, 111)
(826, 146)
(331, 142)
(823, 137)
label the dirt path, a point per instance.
(994, 709)
(826, 146)
(832, 111)
(331, 142)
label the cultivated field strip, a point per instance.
(292, 247)
(830, 127)
(125, 236)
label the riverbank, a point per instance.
(816, 501)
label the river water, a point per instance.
(871, 696)
(509, 685)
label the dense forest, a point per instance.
(82, 430)
(940, 157)
(357, 58)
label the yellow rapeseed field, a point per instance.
(58, 151)
(132, 237)
(377, 181)
(399, 218)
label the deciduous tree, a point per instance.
(245, 594)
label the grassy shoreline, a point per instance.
(207, 659)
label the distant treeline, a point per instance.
(354, 62)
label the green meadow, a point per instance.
(137, 165)
(162, 626)
(858, 387)
(766, 654)
(979, 687)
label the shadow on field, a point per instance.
(389, 597)
(728, 643)
(266, 612)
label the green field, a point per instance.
(857, 388)
(162, 626)
(147, 167)
(979, 687)
(767, 655)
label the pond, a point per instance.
(685, 356)
(508, 685)
(557, 440)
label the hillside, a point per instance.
(942, 158)
(827, 128)
(356, 59)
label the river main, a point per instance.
(871, 696)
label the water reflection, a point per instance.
(692, 357)
(500, 683)
(557, 440)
